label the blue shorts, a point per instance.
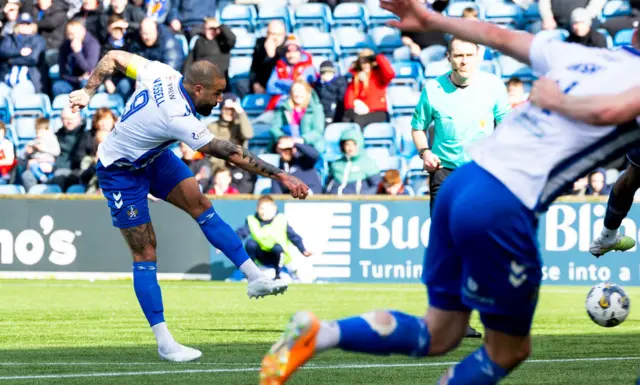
(483, 252)
(126, 189)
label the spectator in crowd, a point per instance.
(391, 184)
(222, 183)
(515, 91)
(91, 14)
(301, 117)
(52, 20)
(299, 160)
(41, 154)
(581, 31)
(355, 172)
(198, 165)
(117, 40)
(132, 15)
(470, 13)
(214, 45)
(417, 41)
(21, 54)
(465, 104)
(242, 180)
(597, 184)
(296, 64)
(102, 123)
(8, 160)
(158, 10)
(365, 100)
(331, 88)
(78, 56)
(271, 241)
(580, 186)
(557, 13)
(188, 15)
(10, 14)
(103, 120)
(71, 139)
(233, 125)
(156, 42)
(616, 24)
(265, 56)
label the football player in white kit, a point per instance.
(135, 160)
(483, 247)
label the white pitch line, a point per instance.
(307, 367)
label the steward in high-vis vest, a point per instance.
(271, 241)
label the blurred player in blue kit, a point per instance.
(135, 160)
(483, 251)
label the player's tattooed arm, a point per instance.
(243, 158)
(111, 62)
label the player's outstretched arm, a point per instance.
(243, 158)
(599, 110)
(415, 17)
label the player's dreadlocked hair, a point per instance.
(202, 72)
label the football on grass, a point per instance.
(607, 304)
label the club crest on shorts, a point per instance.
(132, 212)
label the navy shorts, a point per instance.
(634, 156)
(483, 252)
(126, 189)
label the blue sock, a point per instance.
(222, 236)
(409, 336)
(476, 369)
(145, 284)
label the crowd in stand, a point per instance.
(302, 97)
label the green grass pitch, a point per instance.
(77, 332)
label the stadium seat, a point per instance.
(504, 14)
(416, 176)
(272, 159)
(346, 63)
(261, 138)
(402, 100)
(402, 126)
(532, 13)
(437, 68)
(25, 127)
(623, 37)
(332, 135)
(33, 105)
(262, 186)
(239, 67)
(238, 15)
(490, 67)
(377, 15)
(616, 8)
(433, 54)
(272, 12)
(6, 110)
(408, 73)
(45, 189)
(59, 103)
(351, 14)
(386, 39)
(607, 36)
(351, 40)
(245, 45)
(105, 100)
(313, 15)
(455, 9)
(380, 135)
(255, 104)
(182, 40)
(555, 34)
(317, 42)
(380, 155)
(11, 189)
(76, 189)
(392, 163)
(192, 42)
(510, 67)
(54, 72)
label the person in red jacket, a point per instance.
(366, 98)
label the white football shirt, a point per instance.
(158, 114)
(538, 154)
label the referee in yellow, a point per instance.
(465, 104)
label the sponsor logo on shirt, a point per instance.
(200, 134)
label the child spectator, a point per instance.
(515, 90)
(271, 240)
(42, 152)
(355, 172)
(299, 160)
(8, 159)
(233, 125)
(597, 184)
(391, 184)
(331, 89)
(222, 183)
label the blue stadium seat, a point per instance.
(394, 163)
(192, 42)
(11, 135)
(408, 73)
(6, 110)
(317, 42)
(76, 189)
(437, 68)
(510, 67)
(33, 105)
(402, 100)
(616, 8)
(380, 135)
(313, 15)
(104, 100)
(346, 62)
(59, 103)
(255, 104)
(25, 127)
(262, 186)
(433, 54)
(54, 72)
(238, 15)
(351, 14)
(555, 34)
(272, 159)
(272, 12)
(239, 67)
(380, 155)
(351, 40)
(607, 36)
(455, 9)
(386, 39)
(377, 15)
(504, 14)
(11, 189)
(182, 40)
(45, 189)
(261, 138)
(532, 13)
(416, 177)
(490, 67)
(623, 37)
(244, 45)
(332, 135)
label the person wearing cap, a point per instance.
(557, 13)
(265, 56)
(188, 15)
(365, 100)
(331, 88)
(214, 45)
(233, 125)
(51, 17)
(20, 54)
(299, 160)
(582, 31)
(295, 64)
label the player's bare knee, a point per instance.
(381, 322)
(145, 254)
(198, 205)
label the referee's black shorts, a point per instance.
(435, 181)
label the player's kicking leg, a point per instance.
(620, 201)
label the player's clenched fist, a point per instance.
(296, 188)
(79, 99)
(431, 161)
